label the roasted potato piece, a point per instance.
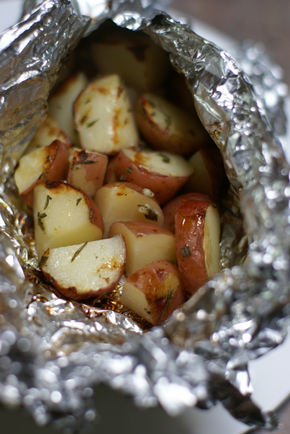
(167, 127)
(104, 118)
(85, 270)
(163, 173)
(153, 292)
(64, 216)
(145, 243)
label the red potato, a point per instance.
(145, 243)
(110, 175)
(47, 133)
(167, 127)
(209, 175)
(197, 231)
(49, 163)
(123, 201)
(87, 171)
(104, 118)
(153, 292)
(170, 208)
(60, 104)
(86, 270)
(133, 55)
(163, 173)
(63, 216)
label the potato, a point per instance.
(49, 163)
(123, 201)
(209, 175)
(60, 104)
(104, 118)
(163, 173)
(170, 208)
(64, 216)
(197, 231)
(145, 243)
(110, 175)
(167, 127)
(133, 55)
(87, 171)
(153, 292)
(85, 270)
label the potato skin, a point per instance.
(163, 187)
(189, 233)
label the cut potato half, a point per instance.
(85, 270)
(63, 216)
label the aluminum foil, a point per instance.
(55, 352)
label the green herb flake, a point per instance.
(142, 110)
(148, 212)
(165, 158)
(78, 251)
(83, 119)
(129, 170)
(78, 200)
(43, 259)
(40, 222)
(185, 251)
(48, 198)
(92, 123)
(80, 163)
(123, 178)
(168, 298)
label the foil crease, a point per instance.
(54, 352)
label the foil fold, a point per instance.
(200, 355)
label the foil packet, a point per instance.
(54, 352)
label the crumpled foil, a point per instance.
(54, 352)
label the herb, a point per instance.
(78, 200)
(129, 170)
(92, 123)
(148, 212)
(87, 101)
(185, 251)
(152, 104)
(83, 119)
(48, 198)
(84, 162)
(39, 220)
(43, 259)
(165, 158)
(142, 110)
(168, 298)
(123, 178)
(78, 251)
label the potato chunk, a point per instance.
(63, 216)
(104, 118)
(85, 270)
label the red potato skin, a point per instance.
(170, 208)
(95, 215)
(54, 169)
(163, 187)
(149, 279)
(110, 175)
(189, 234)
(71, 292)
(95, 164)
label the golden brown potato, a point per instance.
(167, 127)
(153, 292)
(163, 173)
(44, 164)
(197, 231)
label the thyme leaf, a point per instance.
(168, 298)
(165, 158)
(78, 200)
(78, 251)
(148, 212)
(185, 251)
(40, 222)
(92, 123)
(48, 198)
(129, 170)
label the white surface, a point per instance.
(270, 374)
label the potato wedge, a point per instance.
(87, 171)
(49, 163)
(145, 243)
(86, 270)
(163, 173)
(64, 216)
(167, 127)
(153, 292)
(60, 104)
(133, 55)
(197, 231)
(47, 133)
(104, 118)
(123, 201)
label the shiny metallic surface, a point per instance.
(55, 352)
